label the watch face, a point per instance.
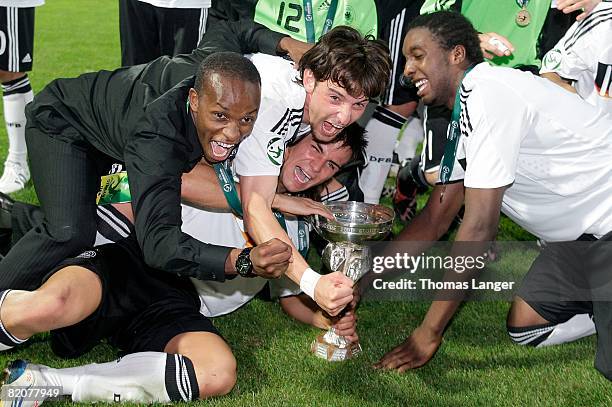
(243, 264)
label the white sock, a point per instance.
(14, 116)
(7, 340)
(65, 378)
(145, 377)
(576, 327)
(382, 130)
(412, 135)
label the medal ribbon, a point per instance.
(522, 3)
(452, 137)
(309, 19)
(226, 180)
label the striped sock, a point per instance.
(16, 94)
(576, 327)
(7, 340)
(144, 377)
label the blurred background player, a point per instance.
(16, 57)
(581, 61)
(151, 28)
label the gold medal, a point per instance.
(523, 18)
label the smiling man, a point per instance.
(330, 90)
(160, 320)
(76, 127)
(520, 154)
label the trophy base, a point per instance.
(333, 353)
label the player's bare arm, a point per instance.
(436, 217)
(557, 79)
(482, 208)
(333, 291)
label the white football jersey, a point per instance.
(584, 55)
(225, 229)
(279, 119)
(551, 146)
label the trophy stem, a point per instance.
(352, 260)
(333, 352)
(353, 224)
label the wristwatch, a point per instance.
(244, 267)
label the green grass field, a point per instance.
(476, 365)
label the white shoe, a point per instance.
(15, 177)
(24, 385)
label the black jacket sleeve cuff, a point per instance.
(212, 266)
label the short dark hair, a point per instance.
(450, 29)
(354, 137)
(229, 65)
(359, 64)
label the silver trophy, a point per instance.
(354, 223)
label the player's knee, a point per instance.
(55, 305)
(525, 326)
(44, 308)
(72, 237)
(522, 314)
(220, 379)
(7, 76)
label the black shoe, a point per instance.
(6, 211)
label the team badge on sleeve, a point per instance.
(275, 150)
(552, 59)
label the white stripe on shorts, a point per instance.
(10, 33)
(202, 28)
(395, 41)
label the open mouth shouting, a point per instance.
(330, 129)
(301, 176)
(422, 85)
(221, 151)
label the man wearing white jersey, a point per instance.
(533, 160)
(160, 320)
(582, 60)
(16, 58)
(329, 91)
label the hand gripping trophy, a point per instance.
(355, 223)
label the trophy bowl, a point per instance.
(354, 222)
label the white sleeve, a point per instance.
(495, 122)
(262, 152)
(568, 62)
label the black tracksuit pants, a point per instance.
(66, 187)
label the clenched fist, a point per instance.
(271, 259)
(333, 292)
